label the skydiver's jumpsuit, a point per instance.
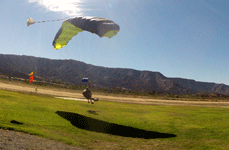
(87, 94)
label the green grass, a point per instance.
(45, 116)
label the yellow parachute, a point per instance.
(71, 27)
(101, 26)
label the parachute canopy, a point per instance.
(71, 27)
(85, 80)
(30, 21)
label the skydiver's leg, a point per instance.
(92, 100)
(95, 99)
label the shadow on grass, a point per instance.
(15, 122)
(92, 112)
(96, 125)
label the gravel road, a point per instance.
(11, 140)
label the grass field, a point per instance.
(110, 125)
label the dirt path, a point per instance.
(53, 92)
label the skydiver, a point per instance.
(87, 93)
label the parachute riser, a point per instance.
(31, 21)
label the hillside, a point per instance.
(72, 71)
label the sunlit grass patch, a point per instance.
(97, 126)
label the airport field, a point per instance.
(114, 125)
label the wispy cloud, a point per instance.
(68, 7)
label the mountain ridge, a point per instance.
(72, 71)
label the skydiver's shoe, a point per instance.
(88, 101)
(92, 101)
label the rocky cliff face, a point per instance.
(73, 71)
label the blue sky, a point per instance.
(186, 39)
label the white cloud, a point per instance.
(68, 7)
